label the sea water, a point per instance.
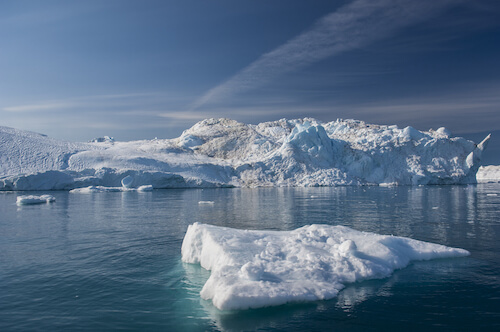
(107, 261)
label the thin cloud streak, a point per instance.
(39, 107)
(352, 26)
(76, 102)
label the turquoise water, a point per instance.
(112, 260)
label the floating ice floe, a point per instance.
(147, 187)
(206, 202)
(101, 189)
(251, 269)
(32, 199)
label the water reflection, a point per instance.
(105, 247)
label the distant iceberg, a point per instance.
(33, 199)
(488, 174)
(252, 269)
(227, 153)
(101, 189)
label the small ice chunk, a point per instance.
(127, 181)
(32, 199)
(206, 202)
(98, 189)
(252, 269)
(102, 189)
(147, 187)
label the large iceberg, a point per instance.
(223, 152)
(251, 269)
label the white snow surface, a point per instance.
(487, 174)
(224, 152)
(251, 269)
(32, 199)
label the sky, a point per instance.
(141, 69)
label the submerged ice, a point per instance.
(251, 269)
(223, 152)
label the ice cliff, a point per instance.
(224, 152)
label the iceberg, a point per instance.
(252, 269)
(488, 174)
(227, 153)
(32, 199)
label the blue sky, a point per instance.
(142, 69)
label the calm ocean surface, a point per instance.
(112, 260)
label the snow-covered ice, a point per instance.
(146, 187)
(487, 174)
(227, 153)
(102, 189)
(33, 199)
(251, 269)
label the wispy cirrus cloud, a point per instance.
(44, 106)
(84, 101)
(354, 25)
(125, 115)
